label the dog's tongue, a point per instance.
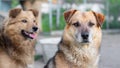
(33, 36)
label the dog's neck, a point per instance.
(21, 51)
(81, 55)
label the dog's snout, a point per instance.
(35, 28)
(85, 35)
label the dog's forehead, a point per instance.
(27, 14)
(83, 16)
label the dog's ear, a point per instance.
(68, 14)
(35, 12)
(14, 12)
(99, 17)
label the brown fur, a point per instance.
(71, 52)
(16, 50)
(33, 4)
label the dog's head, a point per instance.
(83, 27)
(22, 23)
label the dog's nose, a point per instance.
(85, 35)
(35, 28)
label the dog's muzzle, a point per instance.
(30, 34)
(85, 37)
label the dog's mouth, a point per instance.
(85, 41)
(26, 34)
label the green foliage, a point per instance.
(73, 1)
(114, 25)
(14, 3)
(37, 57)
(114, 11)
(114, 8)
(45, 22)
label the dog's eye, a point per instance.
(76, 24)
(24, 21)
(91, 24)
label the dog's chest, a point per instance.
(82, 57)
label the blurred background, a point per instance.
(52, 24)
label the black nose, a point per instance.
(85, 35)
(35, 28)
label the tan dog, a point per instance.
(17, 39)
(79, 47)
(33, 4)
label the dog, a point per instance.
(33, 4)
(80, 43)
(17, 39)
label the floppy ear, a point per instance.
(14, 12)
(68, 14)
(99, 17)
(35, 12)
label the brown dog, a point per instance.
(79, 47)
(17, 39)
(33, 4)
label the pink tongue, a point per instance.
(33, 36)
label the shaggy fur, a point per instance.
(17, 39)
(73, 50)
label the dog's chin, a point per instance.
(83, 41)
(27, 34)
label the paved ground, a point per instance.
(110, 51)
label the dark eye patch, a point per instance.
(24, 21)
(91, 24)
(76, 24)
